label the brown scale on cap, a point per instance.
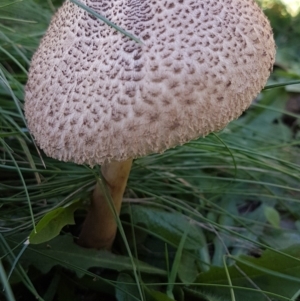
(95, 96)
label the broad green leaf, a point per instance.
(202, 296)
(158, 296)
(63, 251)
(170, 226)
(272, 272)
(52, 223)
(282, 238)
(189, 269)
(126, 289)
(272, 216)
(297, 224)
(293, 88)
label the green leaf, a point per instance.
(255, 274)
(63, 251)
(176, 264)
(158, 296)
(297, 224)
(126, 289)
(272, 216)
(52, 223)
(189, 269)
(170, 226)
(202, 296)
(282, 238)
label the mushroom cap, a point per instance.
(94, 95)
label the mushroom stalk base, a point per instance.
(100, 226)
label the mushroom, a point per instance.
(95, 96)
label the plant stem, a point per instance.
(100, 226)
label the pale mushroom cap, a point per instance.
(94, 95)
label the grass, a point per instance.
(204, 221)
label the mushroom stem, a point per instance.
(100, 226)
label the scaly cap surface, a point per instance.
(93, 95)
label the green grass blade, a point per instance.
(111, 24)
(6, 287)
